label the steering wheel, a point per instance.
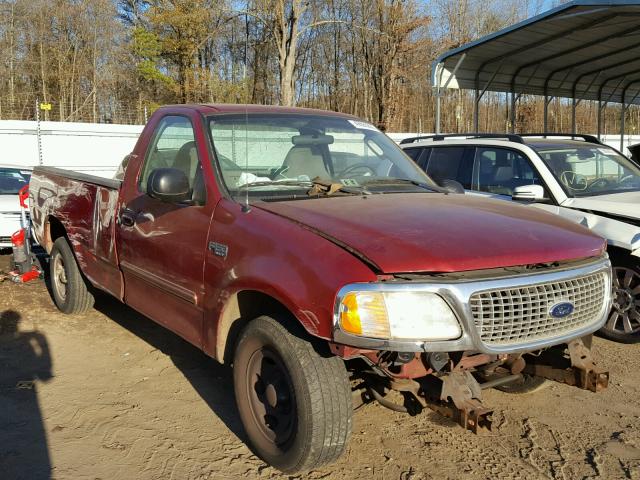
(626, 178)
(599, 182)
(357, 166)
(573, 180)
(279, 172)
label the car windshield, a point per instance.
(12, 180)
(279, 155)
(591, 170)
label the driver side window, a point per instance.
(500, 170)
(173, 146)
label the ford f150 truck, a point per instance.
(304, 248)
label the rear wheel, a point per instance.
(623, 324)
(294, 402)
(69, 288)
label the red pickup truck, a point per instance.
(305, 249)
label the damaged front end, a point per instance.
(452, 385)
(438, 341)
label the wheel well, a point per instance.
(241, 308)
(616, 253)
(53, 230)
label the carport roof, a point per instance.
(584, 49)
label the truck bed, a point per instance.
(85, 206)
(81, 177)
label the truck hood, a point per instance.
(626, 204)
(433, 232)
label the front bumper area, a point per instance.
(9, 224)
(455, 389)
(543, 290)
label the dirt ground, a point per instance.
(112, 395)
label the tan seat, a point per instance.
(305, 160)
(187, 160)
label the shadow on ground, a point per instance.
(211, 380)
(25, 361)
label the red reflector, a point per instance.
(17, 239)
(30, 275)
(23, 195)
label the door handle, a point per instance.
(127, 218)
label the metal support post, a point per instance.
(437, 110)
(545, 115)
(512, 113)
(547, 101)
(476, 106)
(599, 121)
(439, 89)
(38, 135)
(623, 111)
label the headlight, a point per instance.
(397, 315)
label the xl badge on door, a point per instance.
(218, 249)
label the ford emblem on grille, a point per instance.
(562, 309)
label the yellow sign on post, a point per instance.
(45, 106)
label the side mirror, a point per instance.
(168, 185)
(451, 186)
(528, 193)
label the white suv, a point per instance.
(12, 179)
(574, 176)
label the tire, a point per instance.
(69, 288)
(623, 323)
(528, 384)
(295, 403)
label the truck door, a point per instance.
(162, 244)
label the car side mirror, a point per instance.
(451, 186)
(168, 185)
(528, 193)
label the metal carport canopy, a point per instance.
(584, 49)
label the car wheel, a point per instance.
(294, 399)
(623, 324)
(70, 289)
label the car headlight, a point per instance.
(398, 315)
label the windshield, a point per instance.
(12, 180)
(270, 155)
(591, 170)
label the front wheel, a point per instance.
(294, 401)
(623, 324)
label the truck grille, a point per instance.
(520, 315)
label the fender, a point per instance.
(280, 269)
(617, 232)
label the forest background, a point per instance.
(115, 61)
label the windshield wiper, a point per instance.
(291, 183)
(400, 181)
(316, 187)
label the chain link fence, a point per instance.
(27, 106)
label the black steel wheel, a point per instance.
(294, 399)
(623, 324)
